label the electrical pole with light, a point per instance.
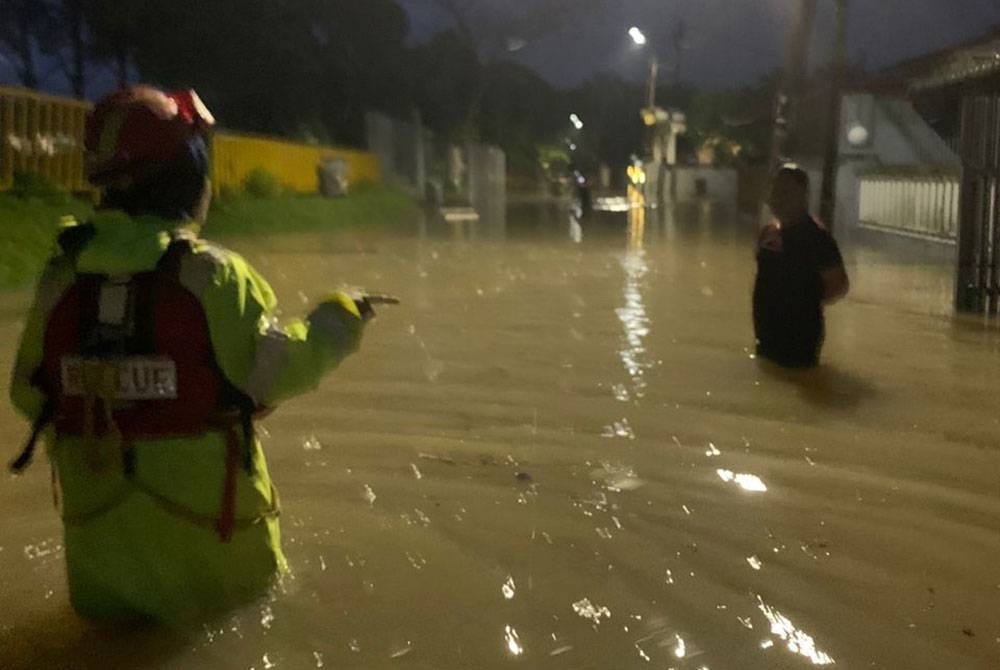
(791, 85)
(664, 126)
(831, 158)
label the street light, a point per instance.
(575, 120)
(639, 39)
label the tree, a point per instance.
(68, 44)
(362, 68)
(74, 21)
(309, 68)
(119, 28)
(609, 108)
(24, 26)
(492, 31)
(444, 75)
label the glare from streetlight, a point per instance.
(637, 36)
(575, 120)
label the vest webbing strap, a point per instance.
(23, 460)
(172, 508)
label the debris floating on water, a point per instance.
(588, 610)
(401, 650)
(435, 457)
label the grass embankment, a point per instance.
(28, 226)
(366, 207)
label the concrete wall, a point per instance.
(897, 136)
(720, 185)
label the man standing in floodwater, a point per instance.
(799, 269)
(146, 356)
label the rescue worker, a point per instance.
(145, 357)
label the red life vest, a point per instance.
(137, 328)
(162, 321)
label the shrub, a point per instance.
(33, 185)
(259, 183)
(227, 192)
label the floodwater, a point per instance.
(558, 452)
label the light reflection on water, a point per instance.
(796, 640)
(512, 642)
(745, 481)
(632, 313)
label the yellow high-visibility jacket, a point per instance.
(145, 542)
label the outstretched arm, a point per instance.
(268, 362)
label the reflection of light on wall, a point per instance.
(636, 175)
(798, 641)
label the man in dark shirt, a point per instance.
(799, 269)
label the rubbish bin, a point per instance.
(332, 174)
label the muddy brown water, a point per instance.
(559, 453)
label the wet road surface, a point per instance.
(558, 452)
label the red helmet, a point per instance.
(140, 128)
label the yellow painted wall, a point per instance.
(44, 134)
(234, 156)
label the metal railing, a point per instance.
(42, 134)
(926, 207)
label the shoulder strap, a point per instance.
(230, 397)
(72, 240)
(170, 262)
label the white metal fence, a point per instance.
(923, 206)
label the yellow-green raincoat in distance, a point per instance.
(145, 545)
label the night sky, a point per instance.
(731, 42)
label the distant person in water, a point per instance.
(799, 269)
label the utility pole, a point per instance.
(650, 120)
(828, 196)
(792, 84)
(654, 72)
(680, 36)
